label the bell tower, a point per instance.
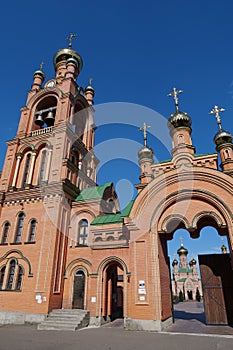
(58, 117)
(49, 161)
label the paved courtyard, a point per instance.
(105, 338)
(190, 318)
(188, 332)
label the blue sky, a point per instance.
(136, 53)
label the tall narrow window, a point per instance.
(11, 275)
(42, 166)
(2, 275)
(83, 232)
(19, 278)
(5, 232)
(26, 170)
(32, 231)
(19, 228)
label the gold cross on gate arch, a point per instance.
(216, 110)
(144, 129)
(175, 94)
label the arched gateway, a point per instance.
(82, 251)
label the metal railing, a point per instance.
(42, 131)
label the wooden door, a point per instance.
(79, 290)
(217, 285)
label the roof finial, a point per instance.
(41, 66)
(90, 81)
(216, 110)
(70, 38)
(144, 129)
(175, 94)
(181, 241)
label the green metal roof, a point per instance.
(204, 154)
(95, 192)
(185, 270)
(182, 280)
(164, 161)
(126, 211)
(113, 218)
(107, 219)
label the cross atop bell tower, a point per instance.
(70, 38)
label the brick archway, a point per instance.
(112, 286)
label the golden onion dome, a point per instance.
(222, 137)
(145, 153)
(192, 262)
(65, 54)
(89, 88)
(179, 119)
(175, 262)
(182, 250)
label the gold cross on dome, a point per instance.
(181, 241)
(70, 38)
(175, 94)
(41, 65)
(216, 110)
(144, 129)
(90, 81)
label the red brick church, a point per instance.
(65, 244)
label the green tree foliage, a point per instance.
(181, 296)
(198, 295)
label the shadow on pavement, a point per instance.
(189, 316)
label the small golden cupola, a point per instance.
(175, 262)
(192, 262)
(89, 92)
(38, 78)
(223, 142)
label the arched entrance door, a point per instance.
(78, 290)
(113, 292)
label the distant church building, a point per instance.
(64, 243)
(185, 280)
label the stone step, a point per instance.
(55, 327)
(65, 320)
(70, 317)
(69, 311)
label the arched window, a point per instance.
(227, 153)
(42, 167)
(26, 169)
(19, 278)
(83, 232)
(2, 275)
(19, 228)
(11, 275)
(13, 279)
(180, 138)
(5, 232)
(32, 231)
